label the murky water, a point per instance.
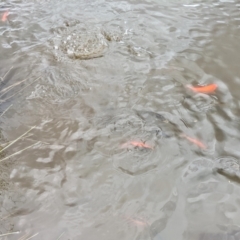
(93, 79)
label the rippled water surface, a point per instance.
(83, 83)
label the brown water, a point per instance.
(98, 74)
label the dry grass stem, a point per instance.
(60, 236)
(5, 110)
(32, 236)
(7, 216)
(17, 139)
(11, 233)
(23, 237)
(5, 90)
(16, 153)
(2, 78)
(25, 138)
(19, 91)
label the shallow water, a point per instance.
(90, 76)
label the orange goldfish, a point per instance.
(195, 141)
(4, 16)
(138, 222)
(136, 144)
(204, 89)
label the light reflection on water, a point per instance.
(93, 76)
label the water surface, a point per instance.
(90, 76)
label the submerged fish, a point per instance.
(136, 144)
(148, 114)
(218, 235)
(138, 222)
(204, 89)
(158, 120)
(4, 16)
(232, 176)
(195, 141)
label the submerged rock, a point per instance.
(76, 44)
(76, 40)
(83, 46)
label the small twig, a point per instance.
(16, 153)
(17, 139)
(6, 234)
(32, 236)
(60, 236)
(5, 110)
(2, 78)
